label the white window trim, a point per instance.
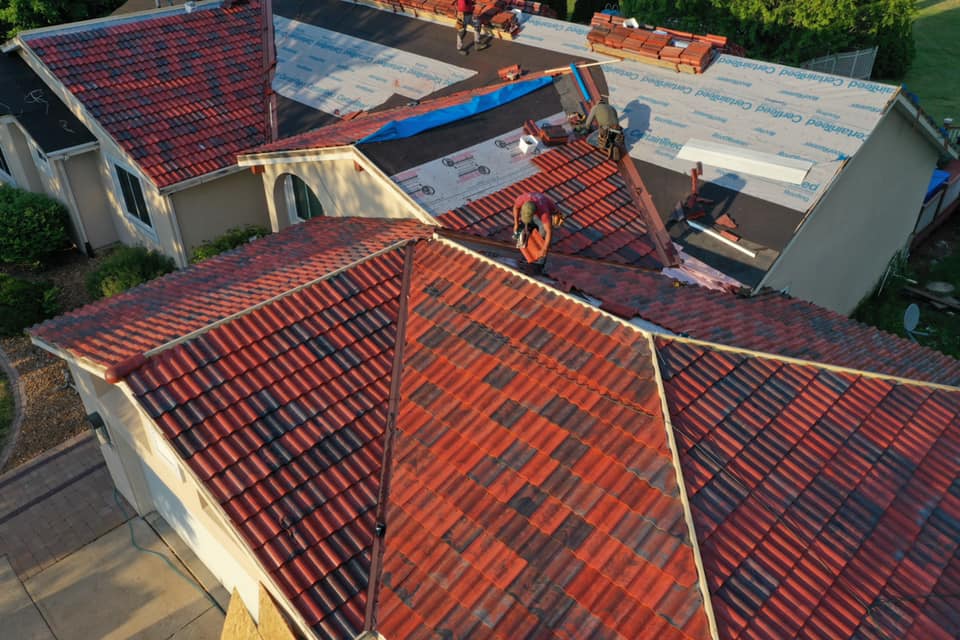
(5, 176)
(148, 229)
(291, 198)
(41, 160)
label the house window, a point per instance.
(133, 200)
(304, 201)
(4, 167)
(41, 159)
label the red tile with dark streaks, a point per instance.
(493, 512)
(185, 301)
(294, 451)
(182, 94)
(835, 517)
(769, 322)
(601, 221)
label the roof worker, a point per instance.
(609, 136)
(533, 222)
(465, 18)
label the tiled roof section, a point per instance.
(281, 413)
(603, 222)
(347, 132)
(826, 505)
(770, 322)
(111, 330)
(533, 493)
(182, 94)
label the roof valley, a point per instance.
(389, 439)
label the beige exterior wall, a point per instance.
(341, 189)
(843, 248)
(139, 457)
(17, 152)
(90, 196)
(207, 210)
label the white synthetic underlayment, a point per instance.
(757, 106)
(337, 73)
(447, 183)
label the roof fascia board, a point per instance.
(76, 150)
(77, 108)
(83, 363)
(114, 20)
(930, 132)
(342, 152)
(198, 180)
(216, 512)
(684, 497)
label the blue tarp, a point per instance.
(397, 129)
(939, 177)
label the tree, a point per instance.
(17, 15)
(791, 31)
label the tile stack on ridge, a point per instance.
(676, 50)
(496, 13)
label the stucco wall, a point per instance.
(143, 462)
(867, 216)
(16, 150)
(207, 210)
(341, 189)
(90, 196)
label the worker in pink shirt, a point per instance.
(534, 216)
(465, 18)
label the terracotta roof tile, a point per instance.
(823, 501)
(182, 94)
(528, 496)
(111, 330)
(769, 322)
(602, 223)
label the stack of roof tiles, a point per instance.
(677, 50)
(183, 110)
(601, 222)
(525, 460)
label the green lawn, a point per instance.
(933, 75)
(6, 409)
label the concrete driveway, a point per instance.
(75, 573)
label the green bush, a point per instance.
(124, 268)
(32, 226)
(230, 240)
(24, 303)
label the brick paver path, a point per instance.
(55, 504)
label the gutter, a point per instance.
(932, 134)
(198, 180)
(76, 150)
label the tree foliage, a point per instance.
(232, 239)
(32, 226)
(124, 268)
(24, 303)
(17, 15)
(791, 31)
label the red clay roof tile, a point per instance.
(183, 94)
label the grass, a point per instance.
(933, 75)
(6, 409)
(937, 260)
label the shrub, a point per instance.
(124, 268)
(230, 240)
(24, 303)
(32, 226)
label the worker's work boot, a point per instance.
(483, 44)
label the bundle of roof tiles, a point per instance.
(677, 50)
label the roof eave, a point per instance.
(198, 180)
(318, 154)
(928, 130)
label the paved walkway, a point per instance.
(55, 504)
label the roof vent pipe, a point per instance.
(189, 6)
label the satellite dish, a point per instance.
(911, 318)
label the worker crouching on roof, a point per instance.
(465, 18)
(534, 213)
(609, 136)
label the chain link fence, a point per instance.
(854, 64)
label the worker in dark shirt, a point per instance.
(609, 135)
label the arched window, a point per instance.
(301, 199)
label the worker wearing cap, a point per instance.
(609, 133)
(534, 212)
(465, 18)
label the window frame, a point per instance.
(6, 174)
(291, 195)
(124, 182)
